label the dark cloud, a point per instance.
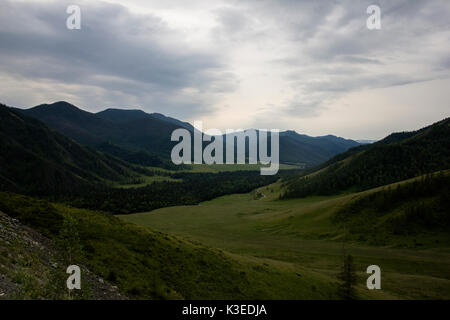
(116, 50)
(316, 50)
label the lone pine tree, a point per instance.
(348, 279)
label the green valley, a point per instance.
(146, 229)
(301, 236)
(143, 263)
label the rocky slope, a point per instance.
(31, 268)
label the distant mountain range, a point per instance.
(144, 138)
(397, 157)
(366, 141)
(296, 147)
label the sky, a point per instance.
(309, 66)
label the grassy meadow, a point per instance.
(299, 239)
(141, 262)
(236, 167)
(164, 175)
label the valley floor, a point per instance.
(297, 240)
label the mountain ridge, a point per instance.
(136, 130)
(38, 160)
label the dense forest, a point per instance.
(194, 188)
(407, 209)
(139, 157)
(398, 157)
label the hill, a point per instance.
(148, 135)
(309, 234)
(132, 135)
(122, 115)
(142, 263)
(80, 125)
(312, 150)
(414, 211)
(32, 267)
(397, 157)
(37, 160)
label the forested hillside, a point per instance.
(397, 157)
(191, 188)
(37, 160)
(133, 135)
(417, 210)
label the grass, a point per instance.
(148, 264)
(146, 180)
(214, 168)
(299, 237)
(164, 175)
(29, 261)
(241, 246)
(235, 167)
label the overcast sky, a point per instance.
(310, 66)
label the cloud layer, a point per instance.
(279, 64)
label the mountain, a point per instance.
(118, 115)
(363, 141)
(312, 150)
(121, 115)
(130, 129)
(75, 123)
(132, 135)
(174, 121)
(147, 136)
(37, 160)
(397, 157)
